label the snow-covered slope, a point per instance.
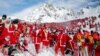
(50, 13)
(90, 11)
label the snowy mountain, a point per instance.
(50, 13)
(90, 11)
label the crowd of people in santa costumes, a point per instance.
(16, 35)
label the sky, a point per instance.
(11, 7)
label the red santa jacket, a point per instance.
(37, 40)
(4, 36)
(96, 37)
(33, 35)
(41, 33)
(5, 32)
(20, 27)
(31, 29)
(46, 37)
(38, 36)
(1, 36)
(11, 28)
(62, 39)
(14, 37)
(77, 36)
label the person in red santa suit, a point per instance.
(97, 52)
(96, 46)
(1, 30)
(9, 26)
(85, 41)
(46, 38)
(11, 31)
(60, 43)
(5, 40)
(90, 45)
(78, 40)
(32, 31)
(4, 34)
(69, 44)
(31, 28)
(37, 41)
(33, 35)
(13, 38)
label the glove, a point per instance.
(7, 38)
